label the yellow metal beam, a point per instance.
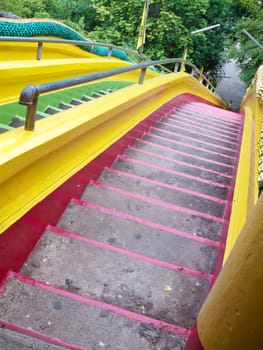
(33, 164)
(232, 315)
(246, 188)
(244, 198)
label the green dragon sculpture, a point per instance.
(46, 27)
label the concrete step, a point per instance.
(118, 277)
(204, 116)
(189, 158)
(159, 212)
(158, 190)
(191, 132)
(52, 110)
(10, 340)
(197, 142)
(16, 122)
(209, 130)
(171, 177)
(75, 102)
(84, 322)
(187, 147)
(163, 161)
(140, 236)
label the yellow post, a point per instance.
(184, 58)
(232, 316)
(142, 33)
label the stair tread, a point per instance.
(154, 190)
(16, 122)
(211, 118)
(188, 148)
(118, 279)
(175, 120)
(93, 326)
(189, 157)
(10, 340)
(187, 222)
(75, 101)
(140, 237)
(182, 167)
(196, 142)
(96, 95)
(167, 176)
(52, 110)
(64, 106)
(192, 132)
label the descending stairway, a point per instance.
(12, 114)
(18, 121)
(131, 261)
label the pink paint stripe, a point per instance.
(144, 222)
(193, 131)
(216, 123)
(187, 145)
(164, 185)
(159, 202)
(188, 155)
(214, 112)
(193, 139)
(174, 267)
(175, 118)
(205, 119)
(176, 161)
(39, 336)
(223, 135)
(108, 307)
(150, 165)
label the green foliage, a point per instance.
(169, 24)
(247, 8)
(248, 54)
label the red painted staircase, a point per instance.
(123, 255)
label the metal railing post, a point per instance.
(142, 75)
(39, 50)
(29, 98)
(176, 67)
(110, 52)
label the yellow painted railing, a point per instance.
(246, 189)
(232, 316)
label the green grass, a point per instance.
(8, 111)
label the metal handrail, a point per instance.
(41, 41)
(29, 95)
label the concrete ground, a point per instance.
(231, 87)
